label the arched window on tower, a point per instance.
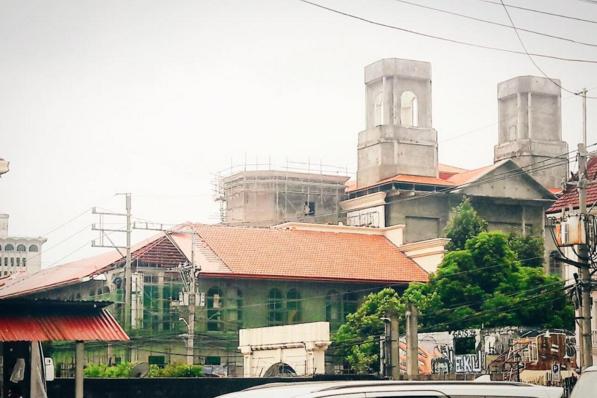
(21, 248)
(33, 248)
(378, 110)
(9, 248)
(409, 109)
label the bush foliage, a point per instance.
(125, 369)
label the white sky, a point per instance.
(153, 97)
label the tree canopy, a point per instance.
(463, 224)
(489, 279)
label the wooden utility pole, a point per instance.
(412, 342)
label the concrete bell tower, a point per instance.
(530, 128)
(399, 138)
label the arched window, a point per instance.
(409, 109)
(378, 110)
(333, 307)
(351, 303)
(214, 309)
(555, 266)
(21, 248)
(293, 305)
(9, 248)
(275, 309)
(33, 248)
(239, 308)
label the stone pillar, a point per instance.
(247, 360)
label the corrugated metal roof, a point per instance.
(50, 321)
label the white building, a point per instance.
(18, 254)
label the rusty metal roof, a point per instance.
(50, 320)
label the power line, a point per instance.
(524, 47)
(552, 36)
(553, 14)
(437, 37)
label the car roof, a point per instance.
(300, 389)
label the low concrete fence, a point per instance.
(202, 387)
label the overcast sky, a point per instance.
(154, 97)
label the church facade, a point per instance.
(400, 181)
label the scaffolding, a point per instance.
(270, 193)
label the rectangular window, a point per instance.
(12, 261)
(213, 361)
(309, 208)
(24, 262)
(159, 360)
(6, 261)
(18, 261)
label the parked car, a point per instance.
(401, 389)
(586, 387)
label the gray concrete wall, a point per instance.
(263, 198)
(390, 146)
(530, 127)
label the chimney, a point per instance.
(3, 226)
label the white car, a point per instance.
(401, 389)
(586, 387)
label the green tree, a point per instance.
(357, 340)
(485, 284)
(463, 224)
(529, 250)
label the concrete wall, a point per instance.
(263, 198)
(391, 145)
(530, 127)
(301, 346)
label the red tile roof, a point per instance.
(446, 171)
(57, 321)
(313, 255)
(569, 198)
(68, 273)
(448, 176)
(416, 180)
(248, 253)
(472, 175)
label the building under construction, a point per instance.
(267, 196)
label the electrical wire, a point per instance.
(553, 14)
(442, 38)
(581, 93)
(444, 11)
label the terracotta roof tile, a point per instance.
(416, 180)
(471, 175)
(569, 198)
(294, 254)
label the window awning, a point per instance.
(51, 320)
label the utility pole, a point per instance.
(395, 347)
(192, 304)
(412, 342)
(583, 249)
(188, 274)
(127, 254)
(386, 348)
